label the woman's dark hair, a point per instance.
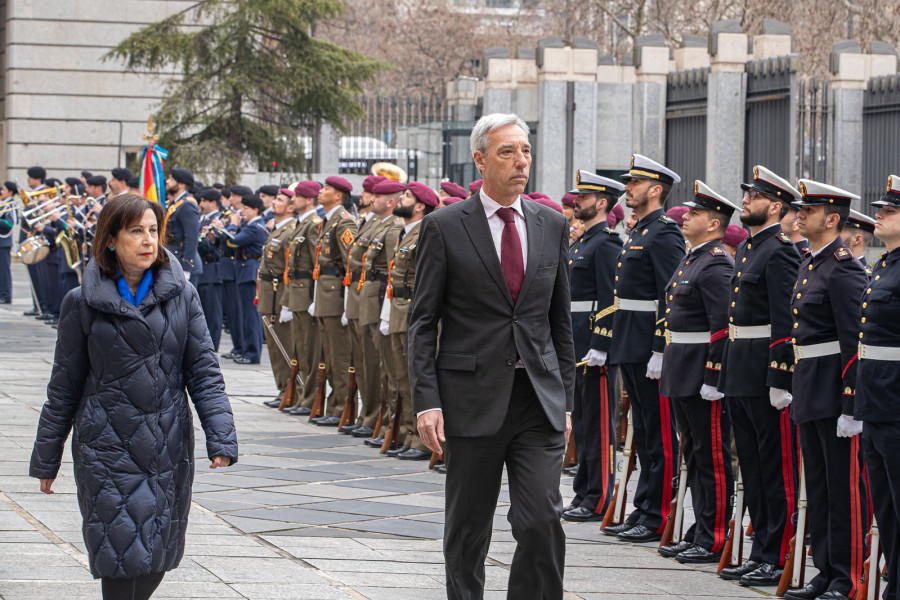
(12, 186)
(120, 213)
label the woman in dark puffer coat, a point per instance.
(131, 339)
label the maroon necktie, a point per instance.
(511, 253)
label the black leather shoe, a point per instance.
(581, 514)
(570, 506)
(808, 592)
(675, 549)
(348, 429)
(571, 471)
(735, 573)
(638, 534)
(328, 422)
(363, 432)
(274, 403)
(44, 317)
(414, 454)
(766, 574)
(698, 555)
(31, 313)
(374, 442)
(441, 468)
(301, 411)
(614, 530)
(397, 451)
(833, 595)
(230, 355)
(245, 361)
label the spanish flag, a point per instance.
(153, 182)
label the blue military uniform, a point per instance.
(248, 240)
(592, 266)
(876, 403)
(209, 282)
(757, 358)
(231, 306)
(696, 333)
(7, 223)
(183, 229)
(646, 263)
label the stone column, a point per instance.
(648, 137)
(507, 81)
(326, 150)
(725, 112)
(615, 115)
(463, 94)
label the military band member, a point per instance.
(362, 346)
(248, 235)
(182, 222)
(209, 282)
(592, 266)
(418, 201)
(651, 253)
(37, 272)
(272, 285)
(305, 340)
(857, 234)
(338, 232)
(826, 312)
(118, 184)
(8, 220)
(757, 367)
(696, 334)
(231, 304)
(878, 379)
(267, 194)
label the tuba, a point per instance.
(69, 245)
(389, 170)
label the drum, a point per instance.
(33, 250)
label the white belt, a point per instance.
(817, 350)
(746, 332)
(582, 306)
(878, 353)
(636, 305)
(687, 337)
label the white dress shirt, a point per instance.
(497, 224)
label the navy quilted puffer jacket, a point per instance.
(119, 379)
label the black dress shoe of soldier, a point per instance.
(833, 595)
(348, 429)
(273, 403)
(374, 442)
(581, 514)
(441, 468)
(363, 431)
(300, 411)
(766, 574)
(328, 422)
(415, 454)
(614, 530)
(735, 573)
(698, 555)
(807, 592)
(675, 549)
(639, 534)
(397, 450)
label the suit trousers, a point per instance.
(836, 505)
(594, 428)
(654, 440)
(336, 345)
(5, 276)
(881, 449)
(251, 325)
(211, 301)
(281, 370)
(231, 307)
(307, 347)
(705, 429)
(532, 452)
(766, 446)
(401, 366)
(368, 376)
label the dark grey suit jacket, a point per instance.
(460, 285)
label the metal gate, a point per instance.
(770, 128)
(812, 129)
(686, 94)
(881, 137)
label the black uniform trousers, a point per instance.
(836, 505)
(532, 452)
(231, 308)
(5, 276)
(767, 451)
(68, 281)
(594, 428)
(211, 301)
(654, 440)
(251, 323)
(705, 429)
(39, 285)
(881, 450)
(49, 276)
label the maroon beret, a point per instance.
(615, 215)
(451, 200)
(388, 186)
(370, 181)
(677, 213)
(569, 200)
(454, 189)
(423, 194)
(538, 196)
(475, 185)
(339, 183)
(734, 235)
(286, 192)
(546, 201)
(307, 189)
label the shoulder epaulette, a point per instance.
(347, 215)
(783, 238)
(716, 251)
(666, 219)
(843, 254)
(869, 269)
(316, 220)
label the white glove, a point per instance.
(384, 328)
(708, 392)
(344, 320)
(595, 358)
(848, 426)
(779, 398)
(286, 315)
(312, 309)
(654, 367)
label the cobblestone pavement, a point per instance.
(306, 513)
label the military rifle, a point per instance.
(795, 566)
(673, 530)
(376, 431)
(733, 552)
(349, 412)
(318, 407)
(615, 513)
(288, 397)
(871, 579)
(390, 438)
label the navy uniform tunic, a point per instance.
(182, 231)
(248, 240)
(592, 265)
(209, 282)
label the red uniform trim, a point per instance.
(719, 533)
(773, 344)
(787, 474)
(606, 440)
(857, 550)
(844, 372)
(665, 421)
(718, 335)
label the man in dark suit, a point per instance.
(492, 273)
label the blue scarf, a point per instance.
(143, 288)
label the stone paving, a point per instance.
(306, 513)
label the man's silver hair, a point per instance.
(478, 140)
